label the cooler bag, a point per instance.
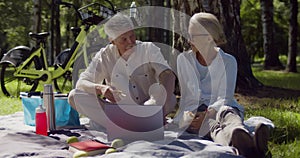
(65, 115)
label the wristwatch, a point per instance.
(202, 108)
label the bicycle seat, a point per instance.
(39, 36)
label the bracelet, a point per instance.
(202, 108)
(101, 96)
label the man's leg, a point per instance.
(88, 105)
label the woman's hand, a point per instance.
(196, 123)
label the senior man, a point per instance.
(134, 72)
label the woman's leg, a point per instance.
(229, 130)
(227, 120)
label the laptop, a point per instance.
(134, 122)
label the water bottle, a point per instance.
(41, 121)
(133, 10)
(48, 98)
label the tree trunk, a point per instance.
(55, 42)
(37, 7)
(271, 55)
(178, 41)
(57, 33)
(52, 35)
(293, 31)
(228, 13)
(156, 34)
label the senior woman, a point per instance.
(207, 77)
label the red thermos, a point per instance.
(41, 121)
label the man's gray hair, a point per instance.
(118, 25)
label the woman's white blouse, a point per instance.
(213, 85)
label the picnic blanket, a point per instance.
(20, 140)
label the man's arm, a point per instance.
(167, 79)
(92, 78)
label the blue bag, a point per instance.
(65, 115)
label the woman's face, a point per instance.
(200, 40)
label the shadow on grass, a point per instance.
(285, 135)
(272, 92)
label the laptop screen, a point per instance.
(134, 122)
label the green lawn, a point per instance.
(9, 105)
(285, 113)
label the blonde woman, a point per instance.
(207, 77)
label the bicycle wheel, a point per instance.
(63, 83)
(11, 85)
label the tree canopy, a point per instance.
(16, 22)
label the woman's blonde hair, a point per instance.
(212, 25)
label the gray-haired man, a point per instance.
(135, 72)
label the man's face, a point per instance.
(125, 42)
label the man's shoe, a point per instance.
(244, 143)
(261, 137)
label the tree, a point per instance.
(229, 15)
(55, 42)
(293, 31)
(271, 55)
(36, 18)
(15, 23)
(156, 34)
(37, 7)
(252, 28)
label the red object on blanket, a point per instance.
(90, 146)
(41, 121)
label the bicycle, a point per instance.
(23, 69)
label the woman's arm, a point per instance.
(189, 90)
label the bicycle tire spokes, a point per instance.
(11, 85)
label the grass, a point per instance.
(277, 78)
(9, 105)
(285, 138)
(285, 113)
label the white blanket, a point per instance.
(19, 140)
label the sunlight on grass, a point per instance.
(277, 78)
(285, 137)
(9, 105)
(291, 150)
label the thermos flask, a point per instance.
(48, 98)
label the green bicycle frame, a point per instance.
(45, 76)
(21, 71)
(74, 54)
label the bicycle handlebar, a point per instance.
(109, 2)
(59, 2)
(89, 17)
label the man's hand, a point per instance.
(111, 94)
